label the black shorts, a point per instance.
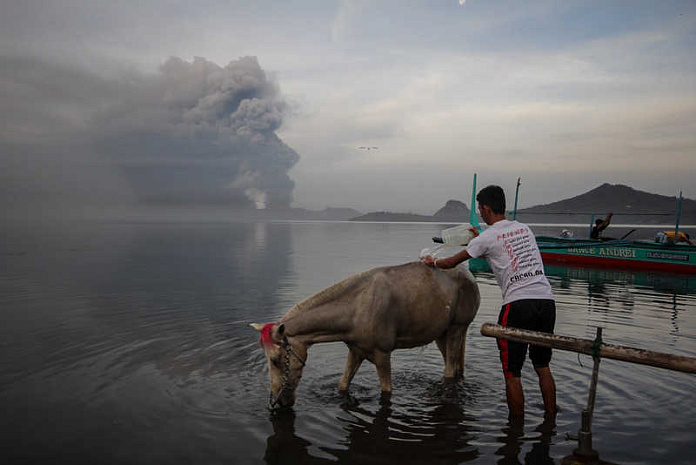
(532, 314)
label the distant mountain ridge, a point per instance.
(390, 216)
(454, 211)
(618, 198)
(628, 205)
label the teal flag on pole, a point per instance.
(473, 221)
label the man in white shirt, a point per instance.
(528, 303)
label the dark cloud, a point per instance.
(193, 133)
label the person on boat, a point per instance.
(600, 225)
(667, 237)
(528, 302)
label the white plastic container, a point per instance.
(458, 235)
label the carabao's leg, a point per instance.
(454, 364)
(463, 352)
(442, 345)
(352, 364)
(382, 361)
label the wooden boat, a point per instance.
(617, 253)
(678, 283)
(621, 254)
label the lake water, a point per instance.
(129, 342)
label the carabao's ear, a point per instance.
(278, 333)
(281, 333)
(257, 326)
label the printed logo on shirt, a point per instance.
(511, 254)
(517, 245)
(510, 234)
(525, 275)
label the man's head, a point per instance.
(491, 201)
(598, 222)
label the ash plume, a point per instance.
(201, 133)
(193, 133)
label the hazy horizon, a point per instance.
(274, 105)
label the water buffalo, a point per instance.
(374, 312)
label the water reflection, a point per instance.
(513, 440)
(610, 295)
(598, 278)
(284, 446)
(614, 295)
(392, 436)
(389, 435)
(131, 324)
(439, 433)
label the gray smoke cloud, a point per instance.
(193, 133)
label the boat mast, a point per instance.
(472, 215)
(591, 225)
(517, 193)
(676, 227)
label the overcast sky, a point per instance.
(106, 99)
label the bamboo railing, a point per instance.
(589, 347)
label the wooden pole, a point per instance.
(473, 221)
(591, 226)
(676, 227)
(517, 193)
(587, 346)
(585, 433)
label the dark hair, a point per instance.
(494, 197)
(598, 222)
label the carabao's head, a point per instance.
(491, 204)
(286, 360)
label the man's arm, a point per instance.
(683, 237)
(606, 222)
(450, 262)
(447, 263)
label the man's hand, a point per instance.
(428, 260)
(474, 231)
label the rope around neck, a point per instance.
(273, 402)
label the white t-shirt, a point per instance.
(512, 253)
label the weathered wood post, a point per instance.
(584, 449)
